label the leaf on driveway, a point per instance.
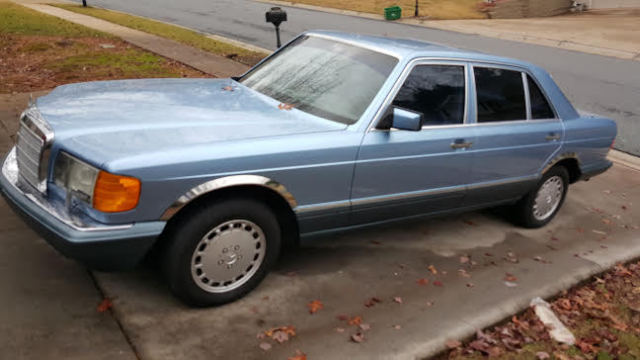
(228, 88)
(364, 327)
(281, 334)
(510, 284)
(423, 281)
(314, 306)
(265, 346)
(470, 285)
(464, 273)
(397, 299)
(464, 259)
(356, 320)
(511, 257)
(357, 337)
(433, 269)
(340, 330)
(510, 277)
(397, 327)
(298, 356)
(372, 301)
(104, 305)
(342, 317)
(599, 232)
(469, 222)
(437, 283)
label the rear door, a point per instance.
(402, 173)
(516, 133)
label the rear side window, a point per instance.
(500, 95)
(436, 91)
(540, 108)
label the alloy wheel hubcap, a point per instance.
(228, 256)
(548, 198)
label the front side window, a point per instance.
(500, 95)
(436, 91)
(540, 108)
(326, 78)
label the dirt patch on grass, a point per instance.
(41, 62)
(603, 315)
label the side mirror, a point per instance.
(403, 119)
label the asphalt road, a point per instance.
(598, 84)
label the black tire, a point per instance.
(189, 232)
(524, 209)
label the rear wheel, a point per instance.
(220, 252)
(542, 203)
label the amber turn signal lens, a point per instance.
(115, 193)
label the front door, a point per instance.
(516, 134)
(401, 173)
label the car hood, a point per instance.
(107, 120)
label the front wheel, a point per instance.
(542, 203)
(219, 252)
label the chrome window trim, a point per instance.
(546, 98)
(227, 182)
(527, 96)
(403, 77)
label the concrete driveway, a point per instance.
(49, 303)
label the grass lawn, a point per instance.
(603, 315)
(176, 33)
(434, 9)
(41, 51)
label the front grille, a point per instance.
(34, 136)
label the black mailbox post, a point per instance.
(276, 16)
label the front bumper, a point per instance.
(99, 246)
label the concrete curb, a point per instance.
(624, 159)
(439, 25)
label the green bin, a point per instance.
(392, 13)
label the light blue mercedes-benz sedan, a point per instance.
(332, 131)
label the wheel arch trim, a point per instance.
(228, 182)
(560, 157)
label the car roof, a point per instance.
(410, 48)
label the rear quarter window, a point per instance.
(540, 108)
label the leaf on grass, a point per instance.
(423, 281)
(357, 337)
(104, 305)
(541, 355)
(433, 269)
(265, 346)
(314, 306)
(397, 299)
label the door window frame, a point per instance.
(403, 77)
(523, 73)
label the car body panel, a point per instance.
(177, 135)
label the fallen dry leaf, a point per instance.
(364, 327)
(104, 305)
(433, 269)
(356, 320)
(397, 327)
(464, 259)
(453, 344)
(470, 285)
(340, 330)
(397, 299)
(423, 281)
(437, 283)
(298, 356)
(357, 337)
(284, 106)
(342, 317)
(372, 301)
(469, 222)
(314, 306)
(228, 88)
(265, 346)
(464, 273)
(280, 336)
(510, 277)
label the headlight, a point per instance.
(104, 191)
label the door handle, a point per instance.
(461, 144)
(552, 137)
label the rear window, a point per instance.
(500, 95)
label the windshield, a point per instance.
(325, 78)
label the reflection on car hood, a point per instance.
(118, 118)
